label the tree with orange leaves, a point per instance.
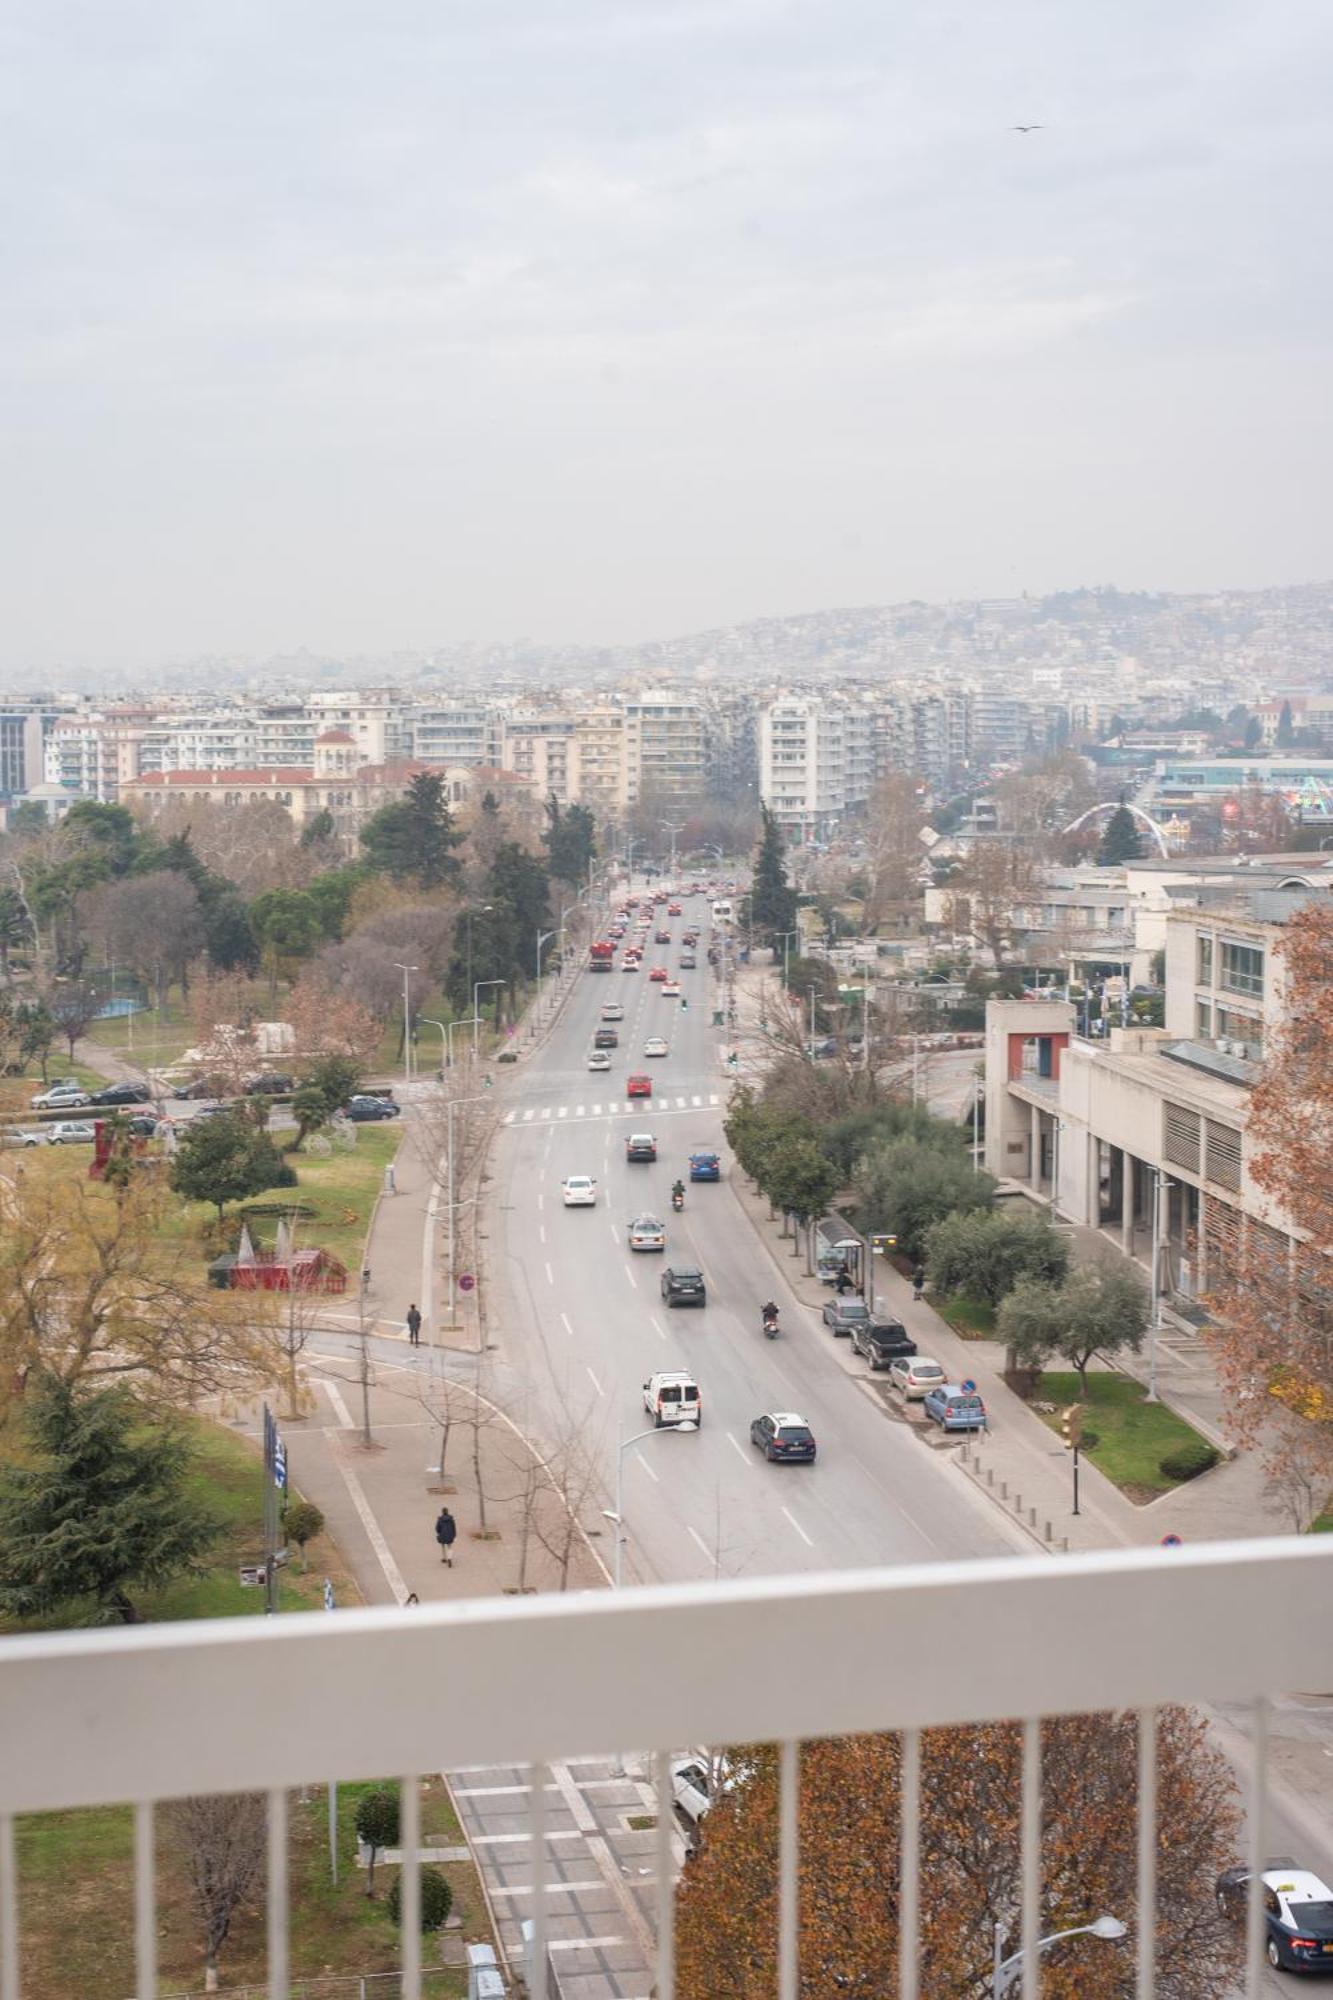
(1273, 1301)
(971, 1789)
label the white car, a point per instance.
(580, 1191)
(62, 1097)
(916, 1376)
(73, 1132)
(599, 1059)
(613, 1011)
(672, 1397)
(656, 1046)
(671, 989)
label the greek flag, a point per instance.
(279, 1462)
(328, 1595)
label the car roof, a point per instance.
(571, 1179)
(1298, 1885)
(956, 1389)
(784, 1418)
(673, 1375)
(646, 1222)
(634, 1137)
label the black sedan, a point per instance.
(1298, 1914)
(366, 1110)
(123, 1093)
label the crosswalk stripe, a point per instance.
(546, 1111)
(713, 1098)
(579, 1112)
(564, 1111)
(596, 1110)
(696, 1100)
(510, 1116)
(529, 1113)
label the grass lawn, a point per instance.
(1323, 1525)
(149, 1040)
(971, 1318)
(1133, 1435)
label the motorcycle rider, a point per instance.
(769, 1311)
(678, 1192)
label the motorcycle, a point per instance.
(677, 1200)
(770, 1325)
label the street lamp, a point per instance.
(476, 1017)
(484, 910)
(444, 1027)
(786, 937)
(617, 1515)
(543, 937)
(407, 971)
(673, 827)
(1007, 1970)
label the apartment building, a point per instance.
(803, 764)
(95, 755)
(664, 746)
(462, 733)
(1143, 1134)
(576, 756)
(25, 726)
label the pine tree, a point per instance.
(772, 900)
(99, 1506)
(1121, 840)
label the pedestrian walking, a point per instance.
(446, 1528)
(414, 1325)
(918, 1281)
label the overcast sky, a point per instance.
(383, 325)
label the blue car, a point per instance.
(705, 1167)
(954, 1408)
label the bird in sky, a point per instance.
(1027, 128)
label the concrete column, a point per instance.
(1034, 1148)
(1126, 1203)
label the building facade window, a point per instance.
(1203, 1020)
(1205, 961)
(1243, 969)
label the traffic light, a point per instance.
(1071, 1426)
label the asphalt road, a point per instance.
(579, 1321)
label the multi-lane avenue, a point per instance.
(580, 1324)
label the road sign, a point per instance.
(970, 1387)
(1171, 1542)
(251, 1575)
(466, 1282)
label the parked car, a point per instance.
(62, 1097)
(579, 1191)
(843, 1314)
(268, 1086)
(122, 1093)
(1298, 1913)
(640, 1147)
(954, 1408)
(916, 1376)
(781, 1434)
(72, 1132)
(201, 1086)
(683, 1285)
(33, 1135)
(672, 1397)
(145, 1126)
(705, 1167)
(638, 1086)
(882, 1341)
(364, 1110)
(647, 1233)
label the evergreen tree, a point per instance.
(1285, 727)
(1121, 841)
(570, 840)
(226, 1159)
(414, 838)
(772, 900)
(98, 1507)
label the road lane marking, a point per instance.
(658, 1328)
(340, 1409)
(743, 1456)
(541, 1201)
(713, 1098)
(541, 1227)
(633, 1280)
(593, 1379)
(550, 1275)
(799, 1529)
(700, 1544)
(564, 1111)
(564, 1320)
(615, 1233)
(529, 1113)
(647, 1468)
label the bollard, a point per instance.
(1032, 1517)
(1018, 1503)
(1004, 1489)
(1064, 1544)
(990, 1477)
(1048, 1531)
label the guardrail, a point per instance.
(157, 1713)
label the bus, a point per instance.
(723, 912)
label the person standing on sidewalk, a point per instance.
(918, 1281)
(414, 1325)
(446, 1528)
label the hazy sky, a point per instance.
(380, 325)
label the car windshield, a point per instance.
(794, 1433)
(853, 1309)
(1319, 1916)
(690, 1277)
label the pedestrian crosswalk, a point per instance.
(535, 1113)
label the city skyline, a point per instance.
(365, 335)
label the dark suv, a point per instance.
(683, 1285)
(882, 1341)
(606, 1038)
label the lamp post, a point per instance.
(1007, 1969)
(444, 1027)
(407, 971)
(786, 937)
(484, 910)
(673, 827)
(476, 1017)
(1161, 1193)
(466, 1022)
(543, 937)
(617, 1516)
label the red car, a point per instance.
(673, 909)
(658, 972)
(638, 1086)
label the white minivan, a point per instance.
(672, 1397)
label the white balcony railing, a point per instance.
(162, 1712)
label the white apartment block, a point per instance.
(1142, 1134)
(815, 760)
(575, 756)
(664, 746)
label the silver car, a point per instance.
(647, 1233)
(73, 1132)
(62, 1097)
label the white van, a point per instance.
(672, 1397)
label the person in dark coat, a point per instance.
(842, 1281)
(414, 1325)
(446, 1528)
(918, 1281)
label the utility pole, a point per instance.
(1071, 1431)
(364, 1336)
(407, 971)
(1161, 1187)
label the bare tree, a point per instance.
(150, 922)
(222, 1839)
(570, 1475)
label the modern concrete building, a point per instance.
(664, 746)
(1143, 1134)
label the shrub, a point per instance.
(987, 1253)
(1187, 1461)
(303, 1521)
(436, 1899)
(377, 1825)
